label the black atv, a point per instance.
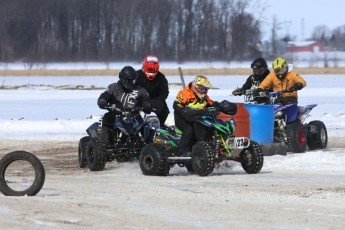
(131, 133)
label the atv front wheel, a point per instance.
(252, 158)
(152, 160)
(95, 154)
(203, 157)
(297, 137)
(317, 136)
(82, 148)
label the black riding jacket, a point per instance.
(254, 80)
(157, 88)
(127, 99)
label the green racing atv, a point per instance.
(159, 157)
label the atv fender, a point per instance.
(94, 129)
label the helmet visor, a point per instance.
(152, 59)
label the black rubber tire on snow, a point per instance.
(297, 137)
(82, 148)
(317, 137)
(95, 154)
(152, 160)
(203, 157)
(252, 158)
(37, 166)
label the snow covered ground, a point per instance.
(41, 112)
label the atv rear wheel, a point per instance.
(317, 136)
(252, 158)
(297, 136)
(82, 148)
(153, 161)
(203, 157)
(95, 154)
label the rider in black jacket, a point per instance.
(125, 94)
(260, 71)
(156, 84)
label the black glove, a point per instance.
(257, 91)
(211, 111)
(238, 92)
(102, 103)
(147, 108)
(297, 86)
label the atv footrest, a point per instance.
(179, 158)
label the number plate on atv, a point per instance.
(238, 143)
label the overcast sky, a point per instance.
(300, 17)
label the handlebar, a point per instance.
(279, 93)
(251, 95)
(113, 107)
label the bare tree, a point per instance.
(245, 32)
(107, 30)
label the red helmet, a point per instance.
(151, 66)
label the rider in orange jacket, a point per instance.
(283, 79)
(190, 104)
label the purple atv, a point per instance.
(289, 126)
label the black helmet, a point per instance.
(259, 67)
(128, 77)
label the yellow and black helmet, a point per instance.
(280, 67)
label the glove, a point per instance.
(297, 86)
(211, 111)
(102, 103)
(147, 108)
(238, 92)
(257, 91)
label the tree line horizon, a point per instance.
(118, 30)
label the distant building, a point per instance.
(305, 46)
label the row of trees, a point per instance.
(334, 39)
(112, 30)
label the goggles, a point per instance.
(128, 81)
(258, 71)
(201, 89)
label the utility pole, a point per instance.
(302, 29)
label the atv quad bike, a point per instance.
(159, 157)
(289, 126)
(131, 132)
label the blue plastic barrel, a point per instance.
(261, 120)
